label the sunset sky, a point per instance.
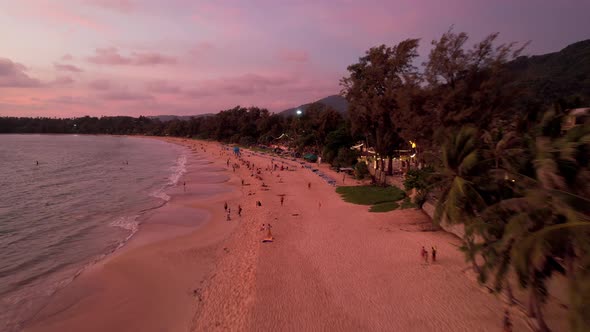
(145, 57)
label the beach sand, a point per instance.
(332, 265)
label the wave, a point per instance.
(178, 169)
(128, 223)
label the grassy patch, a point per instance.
(384, 207)
(407, 204)
(382, 198)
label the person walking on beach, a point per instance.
(424, 254)
(239, 210)
(433, 254)
(225, 206)
(282, 200)
(309, 185)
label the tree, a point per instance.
(371, 90)
(460, 201)
(471, 86)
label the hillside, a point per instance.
(336, 102)
(562, 74)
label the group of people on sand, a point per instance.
(228, 211)
(424, 254)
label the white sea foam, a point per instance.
(128, 223)
(178, 169)
(161, 195)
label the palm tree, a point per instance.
(460, 200)
(549, 218)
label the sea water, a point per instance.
(67, 201)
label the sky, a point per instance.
(67, 58)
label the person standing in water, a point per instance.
(184, 186)
(225, 206)
(282, 200)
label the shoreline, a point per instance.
(156, 227)
(126, 223)
(333, 265)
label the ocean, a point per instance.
(66, 201)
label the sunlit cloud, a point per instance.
(123, 6)
(161, 86)
(111, 56)
(100, 84)
(13, 74)
(62, 80)
(67, 67)
(291, 55)
(122, 95)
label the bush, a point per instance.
(361, 170)
(419, 179)
(345, 158)
(247, 141)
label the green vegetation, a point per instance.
(381, 198)
(361, 170)
(419, 179)
(384, 207)
(407, 204)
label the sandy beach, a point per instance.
(332, 265)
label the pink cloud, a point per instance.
(13, 74)
(100, 85)
(224, 19)
(72, 100)
(111, 56)
(162, 87)
(201, 48)
(292, 55)
(62, 80)
(64, 16)
(122, 95)
(144, 59)
(123, 6)
(242, 85)
(67, 67)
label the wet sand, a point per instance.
(332, 266)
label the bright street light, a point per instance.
(299, 112)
